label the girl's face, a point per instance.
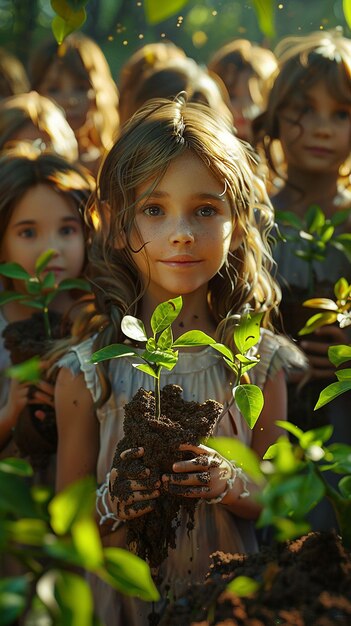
(187, 227)
(75, 95)
(43, 219)
(315, 131)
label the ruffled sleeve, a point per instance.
(277, 352)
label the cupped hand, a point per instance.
(203, 476)
(134, 483)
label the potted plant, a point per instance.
(31, 338)
(160, 420)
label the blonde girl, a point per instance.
(178, 211)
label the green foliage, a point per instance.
(338, 310)
(40, 290)
(71, 15)
(51, 537)
(295, 481)
(314, 235)
(156, 11)
(161, 351)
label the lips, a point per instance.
(183, 260)
(319, 150)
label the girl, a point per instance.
(308, 119)
(174, 214)
(41, 196)
(30, 116)
(246, 70)
(76, 76)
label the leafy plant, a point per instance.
(314, 235)
(53, 539)
(40, 291)
(161, 351)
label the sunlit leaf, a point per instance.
(249, 400)
(61, 28)
(316, 321)
(13, 599)
(16, 466)
(193, 338)
(321, 303)
(86, 540)
(133, 328)
(165, 314)
(265, 16)
(113, 351)
(247, 333)
(28, 371)
(74, 598)
(156, 11)
(344, 374)
(236, 450)
(43, 260)
(345, 486)
(289, 218)
(339, 354)
(331, 392)
(75, 502)
(243, 586)
(129, 574)
(27, 531)
(9, 296)
(341, 289)
(147, 369)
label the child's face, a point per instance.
(315, 131)
(43, 219)
(75, 95)
(187, 226)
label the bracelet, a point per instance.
(106, 514)
(236, 472)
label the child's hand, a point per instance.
(204, 476)
(41, 393)
(17, 399)
(136, 485)
(317, 351)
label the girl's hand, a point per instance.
(317, 351)
(204, 476)
(139, 498)
(41, 393)
(17, 399)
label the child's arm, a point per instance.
(211, 477)
(78, 429)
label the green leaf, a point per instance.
(243, 586)
(344, 374)
(86, 540)
(291, 428)
(12, 600)
(76, 502)
(236, 450)
(15, 497)
(343, 243)
(14, 270)
(224, 350)
(265, 16)
(129, 574)
(316, 321)
(133, 328)
(74, 598)
(327, 233)
(18, 467)
(33, 286)
(165, 314)
(321, 303)
(345, 487)
(339, 354)
(165, 339)
(193, 338)
(147, 369)
(332, 391)
(315, 218)
(61, 28)
(156, 11)
(247, 333)
(113, 351)
(27, 531)
(289, 218)
(27, 372)
(249, 400)
(43, 260)
(74, 283)
(341, 289)
(340, 217)
(48, 281)
(163, 358)
(10, 296)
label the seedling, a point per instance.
(314, 235)
(161, 351)
(39, 290)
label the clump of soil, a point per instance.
(306, 582)
(151, 535)
(35, 438)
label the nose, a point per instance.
(182, 232)
(323, 124)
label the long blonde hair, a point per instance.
(158, 133)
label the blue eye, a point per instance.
(343, 114)
(67, 230)
(206, 211)
(27, 233)
(153, 211)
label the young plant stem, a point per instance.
(342, 510)
(47, 322)
(158, 395)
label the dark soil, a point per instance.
(306, 582)
(151, 535)
(36, 439)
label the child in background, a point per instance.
(178, 211)
(308, 118)
(246, 70)
(13, 76)
(76, 76)
(30, 116)
(176, 75)
(141, 62)
(41, 199)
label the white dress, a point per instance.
(201, 375)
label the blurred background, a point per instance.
(202, 26)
